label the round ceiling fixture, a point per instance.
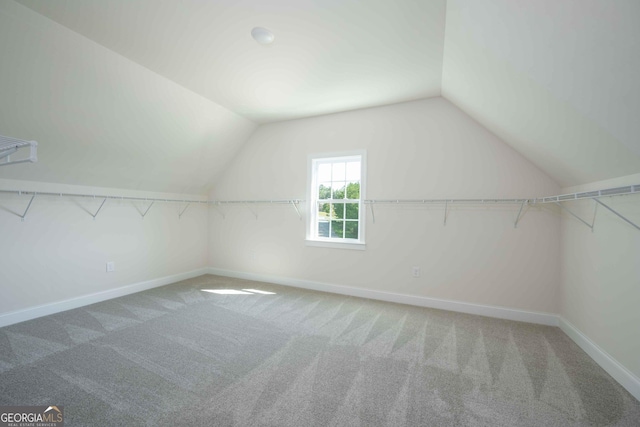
(262, 35)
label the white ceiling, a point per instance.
(328, 55)
(556, 80)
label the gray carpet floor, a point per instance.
(182, 355)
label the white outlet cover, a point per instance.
(415, 271)
(111, 267)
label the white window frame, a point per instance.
(312, 201)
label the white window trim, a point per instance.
(311, 240)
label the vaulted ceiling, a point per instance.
(328, 55)
(557, 80)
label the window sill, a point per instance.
(336, 245)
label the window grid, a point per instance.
(338, 202)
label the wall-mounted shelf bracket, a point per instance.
(24, 215)
(446, 209)
(574, 215)
(294, 203)
(183, 210)
(217, 206)
(515, 224)
(595, 211)
(147, 211)
(7, 152)
(255, 213)
(633, 224)
(99, 209)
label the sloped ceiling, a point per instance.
(176, 87)
(329, 55)
(557, 80)
(102, 120)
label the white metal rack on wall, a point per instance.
(104, 198)
(10, 146)
(250, 203)
(447, 203)
(557, 200)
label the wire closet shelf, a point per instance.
(10, 146)
(592, 195)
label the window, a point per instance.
(336, 200)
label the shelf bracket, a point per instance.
(147, 211)
(24, 215)
(446, 207)
(373, 214)
(515, 225)
(183, 211)
(618, 214)
(575, 216)
(218, 208)
(255, 213)
(99, 209)
(7, 153)
(595, 211)
(294, 203)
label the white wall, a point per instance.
(600, 289)
(422, 149)
(60, 252)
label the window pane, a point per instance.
(323, 228)
(339, 171)
(351, 229)
(324, 211)
(337, 229)
(338, 211)
(339, 190)
(324, 190)
(353, 171)
(337, 185)
(324, 172)
(353, 190)
(352, 210)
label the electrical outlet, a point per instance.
(415, 271)
(111, 267)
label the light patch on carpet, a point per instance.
(258, 291)
(227, 291)
(446, 355)
(80, 335)
(30, 349)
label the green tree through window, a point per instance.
(346, 211)
(336, 198)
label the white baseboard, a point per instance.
(56, 307)
(462, 307)
(627, 379)
(621, 374)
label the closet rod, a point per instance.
(617, 191)
(99, 196)
(245, 202)
(444, 201)
(631, 189)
